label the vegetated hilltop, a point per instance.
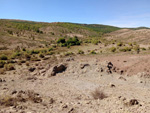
(15, 33)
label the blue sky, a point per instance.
(122, 13)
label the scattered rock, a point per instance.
(14, 92)
(32, 69)
(133, 102)
(70, 59)
(58, 69)
(112, 85)
(109, 68)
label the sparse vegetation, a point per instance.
(93, 52)
(113, 49)
(98, 94)
(3, 57)
(80, 52)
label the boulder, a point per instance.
(58, 69)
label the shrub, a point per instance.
(97, 94)
(27, 56)
(61, 40)
(125, 49)
(23, 49)
(130, 44)
(95, 42)
(41, 55)
(2, 63)
(80, 52)
(143, 48)
(112, 49)
(119, 44)
(137, 49)
(69, 53)
(9, 67)
(16, 54)
(3, 57)
(92, 52)
(27, 64)
(50, 49)
(50, 53)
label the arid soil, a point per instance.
(79, 84)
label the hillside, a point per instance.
(139, 35)
(73, 68)
(29, 34)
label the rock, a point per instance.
(121, 72)
(32, 69)
(14, 92)
(112, 85)
(58, 69)
(1, 80)
(51, 101)
(133, 102)
(109, 68)
(70, 59)
(84, 65)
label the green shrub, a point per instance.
(27, 56)
(113, 49)
(92, 52)
(9, 67)
(3, 57)
(50, 53)
(130, 44)
(69, 53)
(23, 49)
(2, 63)
(95, 42)
(61, 40)
(41, 55)
(137, 48)
(125, 49)
(119, 44)
(143, 48)
(50, 49)
(80, 52)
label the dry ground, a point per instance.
(71, 91)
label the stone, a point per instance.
(58, 69)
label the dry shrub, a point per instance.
(8, 101)
(98, 94)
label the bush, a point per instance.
(80, 52)
(119, 44)
(2, 63)
(50, 49)
(41, 55)
(92, 52)
(125, 49)
(27, 56)
(61, 40)
(3, 57)
(50, 53)
(9, 67)
(69, 42)
(97, 94)
(113, 49)
(69, 53)
(143, 48)
(137, 49)
(95, 42)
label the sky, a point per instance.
(121, 13)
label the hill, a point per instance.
(29, 33)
